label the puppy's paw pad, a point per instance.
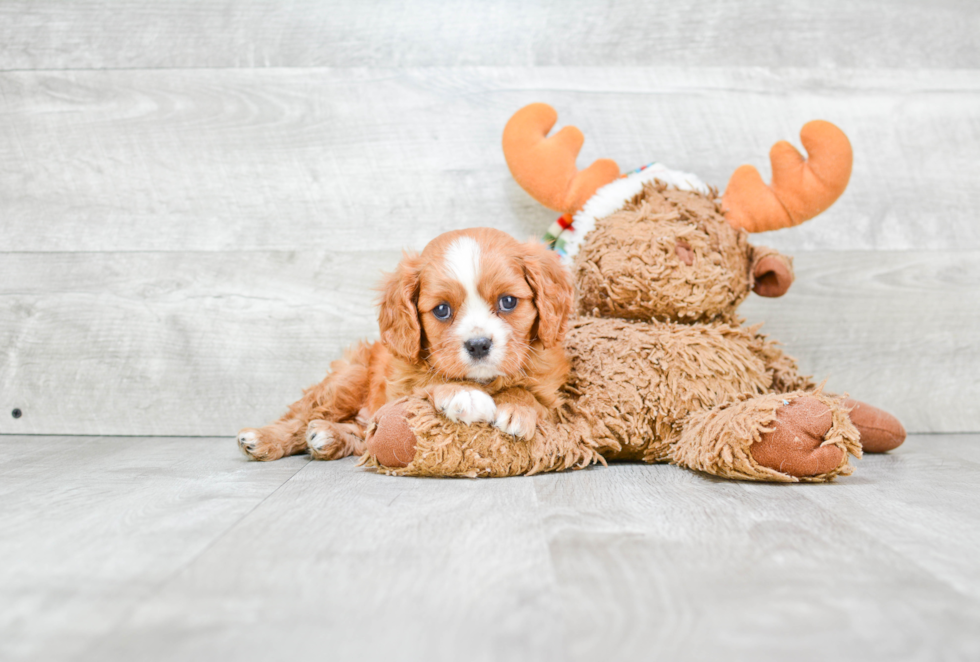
(516, 420)
(469, 406)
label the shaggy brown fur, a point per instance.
(629, 266)
(661, 368)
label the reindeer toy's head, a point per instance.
(657, 243)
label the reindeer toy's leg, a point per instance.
(782, 437)
(880, 431)
(409, 437)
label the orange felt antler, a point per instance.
(545, 167)
(801, 188)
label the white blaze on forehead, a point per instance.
(476, 317)
(463, 259)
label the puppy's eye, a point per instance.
(442, 311)
(507, 303)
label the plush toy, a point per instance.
(662, 368)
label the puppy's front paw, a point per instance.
(466, 404)
(517, 420)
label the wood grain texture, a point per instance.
(362, 159)
(93, 527)
(162, 549)
(348, 565)
(54, 34)
(661, 566)
(207, 343)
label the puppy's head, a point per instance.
(474, 303)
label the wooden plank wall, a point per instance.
(197, 198)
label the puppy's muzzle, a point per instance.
(478, 348)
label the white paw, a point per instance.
(517, 421)
(318, 438)
(469, 406)
(248, 441)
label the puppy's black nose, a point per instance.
(478, 347)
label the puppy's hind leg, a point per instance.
(284, 437)
(337, 399)
(327, 440)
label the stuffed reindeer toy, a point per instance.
(662, 368)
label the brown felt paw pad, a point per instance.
(793, 447)
(393, 441)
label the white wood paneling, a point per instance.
(897, 329)
(60, 34)
(382, 159)
(195, 343)
(191, 232)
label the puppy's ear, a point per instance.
(551, 283)
(398, 314)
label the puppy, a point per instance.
(475, 323)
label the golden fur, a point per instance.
(421, 355)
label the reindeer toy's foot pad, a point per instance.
(391, 439)
(796, 444)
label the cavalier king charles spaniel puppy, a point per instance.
(475, 323)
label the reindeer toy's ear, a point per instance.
(801, 188)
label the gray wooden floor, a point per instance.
(179, 549)
(196, 199)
